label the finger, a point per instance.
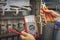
(24, 33)
(49, 11)
(43, 20)
(42, 14)
(22, 37)
(41, 11)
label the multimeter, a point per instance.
(31, 25)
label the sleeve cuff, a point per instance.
(57, 23)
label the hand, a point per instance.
(26, 36)
(53, 13)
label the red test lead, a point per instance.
(14, 31)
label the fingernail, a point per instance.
(22, 32)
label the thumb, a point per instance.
(24, 33)
(22, 37)
(48, 11)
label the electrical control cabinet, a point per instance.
(11, 17)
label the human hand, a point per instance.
(53, 13)
(26, 36)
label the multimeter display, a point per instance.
(32, 27)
